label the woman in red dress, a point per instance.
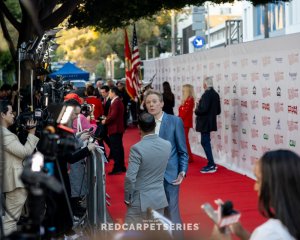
(186, 110)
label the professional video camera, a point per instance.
(40, 175)
(87, 109)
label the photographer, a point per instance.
(14, 152)
(60, 216)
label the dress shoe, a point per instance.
(115, 172)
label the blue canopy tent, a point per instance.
(70, 72)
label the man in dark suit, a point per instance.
(106, 104)
(115, 128)
(206, 120)
(170, 128)
(106, 100)
(145, 174)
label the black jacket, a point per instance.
(207, 110)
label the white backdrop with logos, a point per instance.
(259, 85)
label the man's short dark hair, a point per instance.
(115, 90)
(105, 87)
(4, 106)
(5, 87)
(146, 122)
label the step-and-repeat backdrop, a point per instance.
(259, 85)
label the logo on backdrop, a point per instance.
(226, 90)
(292, 125)
(234, 89)
(293, 109)
(244, 62)
(226, 114)
(234, 102)
(244, 76)
(254, 77)
(266, 120)
(279, 76)
(234, 76)
(254, 104)
(254, 120)
(293, 76)
(266, 136)
(293, 58)
(234, 128)
(244, 117)
(244, 104)
(278, 126)
(226, 102)
(278, 91)
(254, 133)
(253, 160)
(266, 106)
(254, 148)
(266, 76)
(244, 91)
(266, 92)
(278, 107)
(293, 93)
(234, 153)
(279, 59)
(292, 143)
(233, 116)
(266, 61)
(254, 62)
(244, 144)
(244, 131)
(265, 149)
(278, 139)
(254, 90)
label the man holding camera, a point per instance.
(14, 153)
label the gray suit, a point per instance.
(144, 179)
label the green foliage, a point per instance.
(100, 69)
(14, 7)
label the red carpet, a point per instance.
(196, 189)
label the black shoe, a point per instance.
(209, 169)
(115, 172)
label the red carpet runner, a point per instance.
(196, 189)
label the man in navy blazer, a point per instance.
(170, 127)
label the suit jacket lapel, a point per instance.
(163, 126)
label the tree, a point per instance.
(35, 18)
(38, 16)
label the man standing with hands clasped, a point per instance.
(206, 120)
(170, 128)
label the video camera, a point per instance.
(87, 109)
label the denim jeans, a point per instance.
(205, 142)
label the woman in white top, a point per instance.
(278, 187)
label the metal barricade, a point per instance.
(96, 197)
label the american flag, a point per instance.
(135, 63)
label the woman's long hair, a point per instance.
(189, 93)
(167, 92)
(280, 188)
